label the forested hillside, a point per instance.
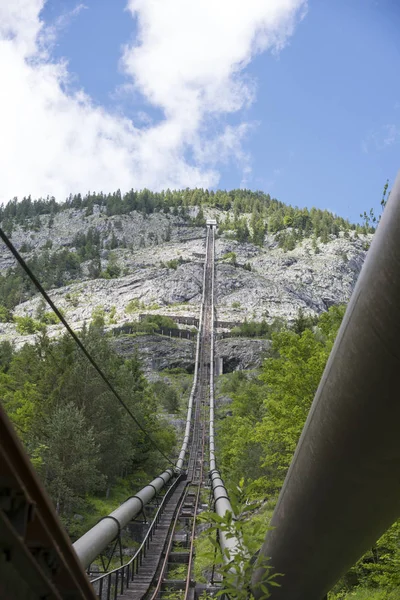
(58, 266)
(95, 251)
(79, 438)
(267, 214)
(257, 440)
(283, 277)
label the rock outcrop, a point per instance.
(261, 283)
(157, 352)
(238, 354)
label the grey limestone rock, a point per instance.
(278, 284)
(239, 353)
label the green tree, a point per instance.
(5, 315)
(269, 411)
(167, 396)
(242, 231)
(303, 322)
(113, 270)
(232, 257)
(72, 457)
(200, 219)
(98, 318)
(27, 326)
(6, 353)
(291, 382)
(55, 398)
(370, 219)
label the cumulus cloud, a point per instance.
(51, 32)
(392, 135)
(382, 138)
(189, 61)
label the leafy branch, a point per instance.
(370, 219)
(236, 565)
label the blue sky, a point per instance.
(331, 130)
(303, 102)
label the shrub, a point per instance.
(252, 329)
(153, 306)
(111, 317)
(158, 322)
(27, 325)
(167, 396)
(231, 256)
(98, 317)
(5, 315)
(72, 298)
(151, 323)
(134, 305)
(25, 247)
(50, 318)
(173, 263)
(112, 271)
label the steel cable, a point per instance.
(49, 301)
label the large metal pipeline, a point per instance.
(186, 437)
(222, 502)
(342, 490)
(94, 541)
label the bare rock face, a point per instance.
(238, 354)
(162, 268)
(280, 283)
(157, 352)
(161, 352)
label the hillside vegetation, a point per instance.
(281, 271)
(267, 214)
(257, 440)
(79, 438)
(101, 238)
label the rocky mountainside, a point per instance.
(158, 260)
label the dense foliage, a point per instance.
(247, 216)
(78, 436)
(55, 269)
(257, 442)
(267, 214)
(263, 329)
(71, 426)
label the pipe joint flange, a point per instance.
(137, 498)
(115, 521)
(221, 498)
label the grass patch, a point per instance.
(203, 561)
(177, 571)
(367, 594)
(96, 507)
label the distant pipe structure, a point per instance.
(342, 490)
(182, 454)
(94, 541)
(222, 503)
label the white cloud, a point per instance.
(188, 61)
(382, 138)
(392, 135)
(51, 32)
